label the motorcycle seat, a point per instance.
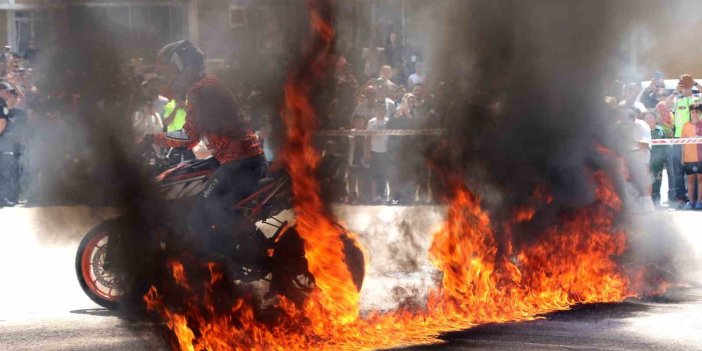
(190, 167)
(265, 181)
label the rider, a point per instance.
(213, 116)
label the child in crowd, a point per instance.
(692, 158)
(664, 119)
(659, 156)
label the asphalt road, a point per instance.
(43, 308)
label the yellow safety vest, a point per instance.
(682, 112)
(178, 120)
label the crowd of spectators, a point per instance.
(379, 169)
(654, 111)
(16, 91)
(382, 88)
(379, 89)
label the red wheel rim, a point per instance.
(100, 282)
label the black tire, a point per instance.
(289, 265)
(89, 241)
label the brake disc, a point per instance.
(103, 277)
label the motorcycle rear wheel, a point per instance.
(291, 277)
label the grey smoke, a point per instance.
(521, 97)
(521, 93)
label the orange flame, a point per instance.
(179, 274)
(572, 263)
(336, 293)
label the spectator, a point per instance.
(394, 51)
(655, 92)
(418, 77)
(424, 119)
(386, 87)
(31, 53)
(332, 174)
(413, 56)
(371, 63)
(664, 119)
(402, 182)
(346, 86)
(383, 85)
(680, 103)
(659, 158)
(398, 95)
(631, 91)
(365, 102)
(639, 159)
(150, 90)
(358, 168)
(9, 151)
(611, 102)
(406, 108)
(376, 153)
(7, 55)
(3, 66)
(692, 158)
(423, 104)
(398, 77)
(146, 121)
(21, 121)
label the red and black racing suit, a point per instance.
(242, 165)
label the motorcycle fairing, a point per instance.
(178, 135)
(189, 169)
(192, 186)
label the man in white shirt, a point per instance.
(376, 152)
(418, 77)
(639, 160)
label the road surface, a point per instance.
(43, 308)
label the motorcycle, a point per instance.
(280, 258)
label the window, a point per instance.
(27, 25)
(142, 28)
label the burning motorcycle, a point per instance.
(280, 258)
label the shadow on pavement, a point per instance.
(580, 326)
(98, 312)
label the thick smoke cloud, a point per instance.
(520, 88)
(84, 152)
(524, 92)
(520, 93)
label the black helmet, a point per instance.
(183, 54)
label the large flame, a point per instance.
(571, 263)
(336, 294)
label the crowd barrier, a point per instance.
(388, 132)
(406, 132)
(679, 141)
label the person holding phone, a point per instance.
(655, 92)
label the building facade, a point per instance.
(49, 22)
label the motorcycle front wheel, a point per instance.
(96, 280)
